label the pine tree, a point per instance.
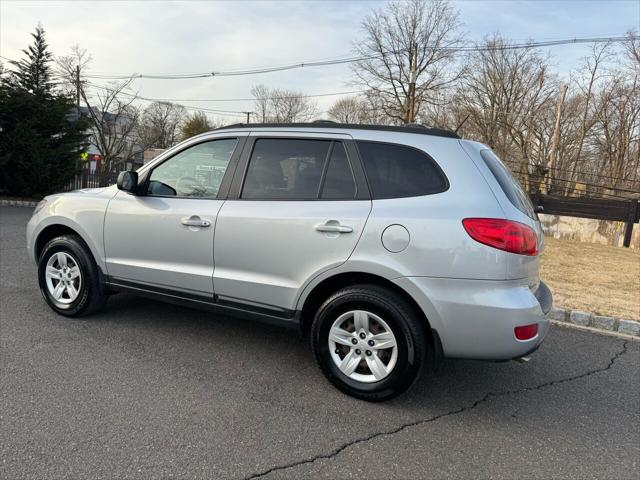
(40, 139)
(33, 73)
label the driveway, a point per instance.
(150, 390)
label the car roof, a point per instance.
(325, 124)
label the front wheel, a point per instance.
(369, 342)
(69, 278)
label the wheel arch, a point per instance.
(320, 292)
(57, 227)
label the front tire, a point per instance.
(369, 342)
(69, 278)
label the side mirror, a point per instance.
(128, 181)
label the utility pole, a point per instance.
(248, 118)
(77, 100)
(411, 98)
(78, 90)
(555, 138)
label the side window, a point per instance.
(194, 172)
(285, 169)
(396, 171)
(510, 186)
(338, 181)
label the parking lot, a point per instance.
(150, 390)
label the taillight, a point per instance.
(526, 332)
(504, 235)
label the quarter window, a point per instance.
(194, 172)
(396, 171)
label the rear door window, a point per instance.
(508, 183)
(396, 171)
(285, 169)
(298, 169)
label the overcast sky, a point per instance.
(196, 36)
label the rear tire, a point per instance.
(369, 342)
(69, 278)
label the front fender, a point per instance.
(84, 214)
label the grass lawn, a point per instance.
(595, 278)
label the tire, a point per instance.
(84, 291)
(385, 311)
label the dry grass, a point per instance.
(595, 278)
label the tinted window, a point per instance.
(510, 186)
(338, 182)
(285, 169)
(194, 172)
(397, 171)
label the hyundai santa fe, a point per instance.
(388, 247)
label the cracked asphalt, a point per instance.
(150, 390)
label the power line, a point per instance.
(251, 99)
(339, 61)
(210, 110)
(581, 172)
(547, 180)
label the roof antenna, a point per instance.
(462, 123)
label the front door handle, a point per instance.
(195, 221)
(332, 227)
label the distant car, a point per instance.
(390, 247)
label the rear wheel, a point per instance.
(69, 278)
(369, 342)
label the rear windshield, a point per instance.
(510, 186)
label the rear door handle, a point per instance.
(195, 221)
(334, 228)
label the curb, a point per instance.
(619, 327)
(17, 203)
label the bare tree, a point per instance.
(425, 32)
(349, 110)
(506, 94)
(160, 125)
(262, 105)
(111, 110)
(281, 106)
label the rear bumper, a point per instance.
(476, 318)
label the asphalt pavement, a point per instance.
(151, 390)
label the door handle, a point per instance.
(334, 228)
(195, 221)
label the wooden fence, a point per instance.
(627, 211)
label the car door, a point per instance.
(297, 207)
(162, 238)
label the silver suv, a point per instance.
(388, 247)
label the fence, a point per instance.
(85, 179)
(627, 211)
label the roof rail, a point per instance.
(410, 128)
